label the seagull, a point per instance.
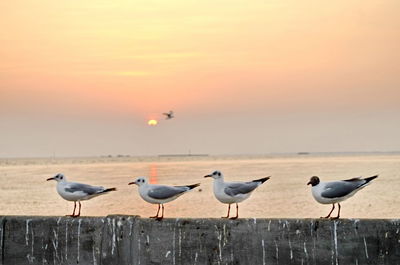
(160, 194)
(77, 192)
(169, 115)
(336, 191)
(233, 192)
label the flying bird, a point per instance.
(233, 192)
(77, 192)
(160, 194)
(169, 115)
(336, 191)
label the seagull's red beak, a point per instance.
(208, 176)
(130, 183)
(50, 179)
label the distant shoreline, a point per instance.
(181, 158)
(182, 155)
(127, 156)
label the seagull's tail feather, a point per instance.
(108, 190)
(262, 180)
(193, 186)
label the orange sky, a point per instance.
(131, 60)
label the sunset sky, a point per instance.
(80, 78)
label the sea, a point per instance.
(25, 191)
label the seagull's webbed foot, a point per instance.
(159, 218)
(234, 218)
(73, 215)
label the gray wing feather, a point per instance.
(165, 192)
(236, 188)
(341, 188)
(88, 189)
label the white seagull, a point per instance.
(233, 192)
(169, 115)
(160, 194)
(77, 192)
(336, 191)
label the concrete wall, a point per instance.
(133, 240)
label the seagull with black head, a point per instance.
(336, 191)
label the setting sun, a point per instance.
(152, 122)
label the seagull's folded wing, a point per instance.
(341, 188)
(165, 192)
(235, 188)
(85, 188)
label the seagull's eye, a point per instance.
(61, 177)
(219, 174)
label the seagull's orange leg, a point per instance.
(156, 216)
(79, 212)
(333, 208)
(338, 214)
(73, 213)
(237, 212)
(229, 209)
(162, 213)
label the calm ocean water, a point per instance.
(24, 190)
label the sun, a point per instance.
(152, 122)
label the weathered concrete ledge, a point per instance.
(134, 240)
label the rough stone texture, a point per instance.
(133, 240)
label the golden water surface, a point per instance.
(25, 191)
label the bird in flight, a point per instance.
(169, 115)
